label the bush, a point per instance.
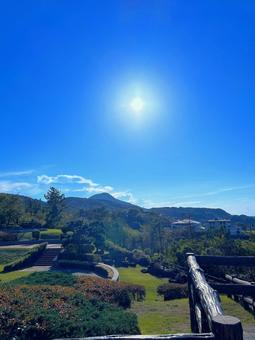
(4, 236)
(172, 291)
(118, 293)
(71, 253)
(47, 278)
(76, 264)
(42, 313)
(27, 259)
(141, 258)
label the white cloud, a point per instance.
(61, 179)
(16, 173)
(126, 196)
(88, 186)
(19, 187)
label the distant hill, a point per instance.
(103, 200)
(203, 214)
(199, 214)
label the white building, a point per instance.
(188, 223)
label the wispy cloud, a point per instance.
(9, 186)
(85, 185)
(61, 179)
(16, 173)
(226, 189)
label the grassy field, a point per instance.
(10, 255)
(55, 232)
(4, 277)
(156, 316)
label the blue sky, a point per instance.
(69, 70)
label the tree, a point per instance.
(55, 203)
(10, 210)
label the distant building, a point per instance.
(225, 224)
(188, 223)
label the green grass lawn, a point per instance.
(4, 277)
(56, 232)
(10, 255)
(156, 316)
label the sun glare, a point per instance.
(137, 104)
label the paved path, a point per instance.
(115, 275)
(24, 246)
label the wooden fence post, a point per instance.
(226, 327)
(192, 303)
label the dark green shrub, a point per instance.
(36, 234)
(141, 258)
(172, 291)
(76, 264)
(47, 278)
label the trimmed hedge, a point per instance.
(76, 264)
(172, 291)
(118, 293)
(26, 260)
(51, 278)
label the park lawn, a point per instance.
(52, 231)
(26, 236)
(156, 316)
(5, 277)
(10, 255)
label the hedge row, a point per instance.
(94, 288)
(76, 264)
(172, 291)
(27, 259)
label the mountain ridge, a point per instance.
(107, 201)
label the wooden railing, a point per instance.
(240, 290)
(209, 336)
(206, 313)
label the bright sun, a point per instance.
(137, 104)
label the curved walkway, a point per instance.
(115, 275)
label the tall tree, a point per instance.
(55, 202)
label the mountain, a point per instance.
(103, 200)
(132, 214)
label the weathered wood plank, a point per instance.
(226, 327)
(188, 336)
(226, 260)
(234, 289)
(236, 280)
(208, 297)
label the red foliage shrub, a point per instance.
(114, 292)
